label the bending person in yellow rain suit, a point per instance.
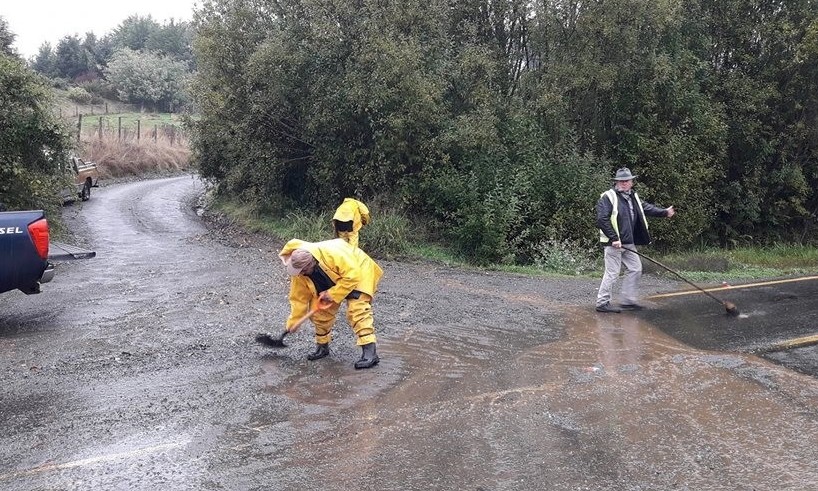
(334, 271)
(350, 216)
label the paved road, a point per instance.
(774, 314)
(136, 370)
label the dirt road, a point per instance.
(137, 370)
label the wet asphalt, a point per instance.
(137, 370)
(777, 319)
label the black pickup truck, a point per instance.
(26, 260)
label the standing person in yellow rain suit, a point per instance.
(334, 271)
(350, 216)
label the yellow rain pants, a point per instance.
(359, 316)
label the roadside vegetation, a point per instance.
(476, 139)
(148, 157)
(33, 142)
(498, 126)
(393, 235)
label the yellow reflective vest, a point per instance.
(614, 199)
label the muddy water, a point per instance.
(138, 370)
(613, 404)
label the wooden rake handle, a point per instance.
(319, 306)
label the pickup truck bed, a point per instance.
(25, 252)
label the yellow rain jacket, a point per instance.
(348, 267)
(352, 210)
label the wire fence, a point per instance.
(118, 121)
(75, 110)
(107, 127)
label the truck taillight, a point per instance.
(38, 231)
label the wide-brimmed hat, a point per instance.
(623, 174)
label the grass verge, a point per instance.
(391, 235)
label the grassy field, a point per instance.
(132, 142)
(116, 117)
(128, 121)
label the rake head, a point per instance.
(731, 308)
(270, 341)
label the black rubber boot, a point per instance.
(321, 350)
(369, 356)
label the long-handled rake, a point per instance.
(730, 307)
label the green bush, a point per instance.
(79, 95)
(99, 90)
(564, 257)
(33, 143)
(500, 130)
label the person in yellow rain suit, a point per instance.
(350, 216)
(333, 270)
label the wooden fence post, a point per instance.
(100, 127)
(119, 129)
(138, 129)
(79, 127)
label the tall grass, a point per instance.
(710, 264)
(389, 235)
(778, 256)
(118, 158)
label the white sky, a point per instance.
(38, 21)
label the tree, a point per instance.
(172, 40)
(6, 38)
(71, 59)
(135, 32)
(45, 62)
(33, 143)
(147, 79)
(92, 57)
(763, 67)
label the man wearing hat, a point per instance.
(350, 216)
(333, 271)
(621, 218)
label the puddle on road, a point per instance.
(620, 355)
(612, 390)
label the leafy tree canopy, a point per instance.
(146, 78)
(33, 144)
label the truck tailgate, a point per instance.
(64, 252)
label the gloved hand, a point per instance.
(325, 300)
